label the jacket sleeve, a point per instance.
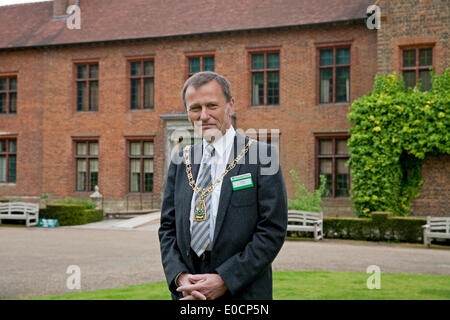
(243, 268)
(170, 254)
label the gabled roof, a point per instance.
(29, 25)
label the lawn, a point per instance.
(303, 285)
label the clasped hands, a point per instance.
(208, 286)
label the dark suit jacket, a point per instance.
(250, 226)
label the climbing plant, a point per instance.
(394, 129)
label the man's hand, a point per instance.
(198, 286)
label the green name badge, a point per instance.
(242, 181)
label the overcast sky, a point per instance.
(7, 2)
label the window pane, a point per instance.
(93, 148)
(326, 57)
(326, 85)
(135, 175)
(343, 56)
(258, 88)
(208, 64)
(342, 84)
(409, 58)
(194, 65)
(13, 102)
(149, 93)
(135, 93)
(12, 169)
(325, 168)
(2, 83)
(148, 175)
(81, 96)
(93, 95)
(81, 175)
(148, 148)
(93, 71)
(13, 84)
(272, 88)
(136, 68)
(82, 72)
(149, 68)
(258, 61)
(273, 60)
(93, 174)
(2, 145)
(425, 78)
(82, 148)
(135, 148)
(426, 57)
(341, 146)
(325, 146)
(2, 168)
(12, 146)
(342, 178)
(410, 78)
(2, 102)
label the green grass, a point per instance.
(303, 285)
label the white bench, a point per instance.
(306, 221)
(436, 227)
(20, 211)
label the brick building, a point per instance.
(100, 105)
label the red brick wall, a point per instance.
(434, 198)
(47, 120)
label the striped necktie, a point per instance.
(200, 237)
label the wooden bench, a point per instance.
(436, 227)
(306, 221)
(20, 211)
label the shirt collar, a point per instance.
(221, 145)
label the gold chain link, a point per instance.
(202, 194)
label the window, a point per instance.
(142, 91)
(87, 86)
(8, 94)
(200, 63)
(140, 156)
(416, 66)
(334, 75)
(8, 159)
(265, 71)
(86, 157)
(332, 154)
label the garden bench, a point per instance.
(20, 211)
(436, 227)
(306, 221)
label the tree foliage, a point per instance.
(394, 130)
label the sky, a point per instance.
(7, 2)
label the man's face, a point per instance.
(208, 110)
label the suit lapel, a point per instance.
(226, 191)
(195, 157)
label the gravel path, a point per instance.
(34, 261)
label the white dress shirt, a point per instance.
(219, 162)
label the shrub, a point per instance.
(394, 130)
(85, 203)
(70, 214)
(306, 200)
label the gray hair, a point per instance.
(201, 78)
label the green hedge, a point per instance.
(70, 214)
(381, 227)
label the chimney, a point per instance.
(60, 7)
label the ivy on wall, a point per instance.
(394, 130)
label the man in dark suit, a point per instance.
(224, 211)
